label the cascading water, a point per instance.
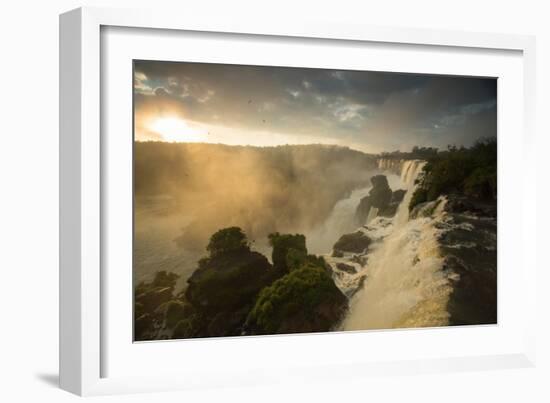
(404, 285)
(340, 221)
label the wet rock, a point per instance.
(398, 196)
(358, 287)
(380, 197)
(151, 299)
(346, 267)
(356, 242)
(360, 260)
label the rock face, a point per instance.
(356, 242)
(469, 248)
(380, 197)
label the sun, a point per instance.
(174, 129)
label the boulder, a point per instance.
(346, 268)
(142, 327)
(356, 242)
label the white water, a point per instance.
(340, 221)
(373, 212)
(404, 286)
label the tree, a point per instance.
(226, 240)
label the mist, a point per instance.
(184, 192)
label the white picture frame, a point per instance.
(85, 343)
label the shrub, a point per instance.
(306, 299)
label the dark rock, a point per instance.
(356, 242)
(469, 247)
(380, 196)
(174, 311)
(360, 285)
(346, 267)
(391, 208)
(142, 326)
(151, 299)
(359, 259)
(337, 253)
(398, 195)
(192, 326)
(228, 323)
(460, 204)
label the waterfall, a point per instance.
(390, 165)
(405, 286)
(340, 221)
(373, 212)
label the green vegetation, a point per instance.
(236, 291)
(227, 240)
(305, 300)
(467, 171)
(230, 277)
(419, 153)
(287, 249)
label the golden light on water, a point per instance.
(174, 129)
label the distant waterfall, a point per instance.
(404, 286)
(390, 165)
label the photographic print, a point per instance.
(279, 200)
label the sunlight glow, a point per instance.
(174, 129)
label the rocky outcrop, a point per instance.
(381, 198)
(396, 198)
(348, 268)
(150, 300)
(356, 242)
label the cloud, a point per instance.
(381, 110)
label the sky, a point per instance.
(266, 106)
